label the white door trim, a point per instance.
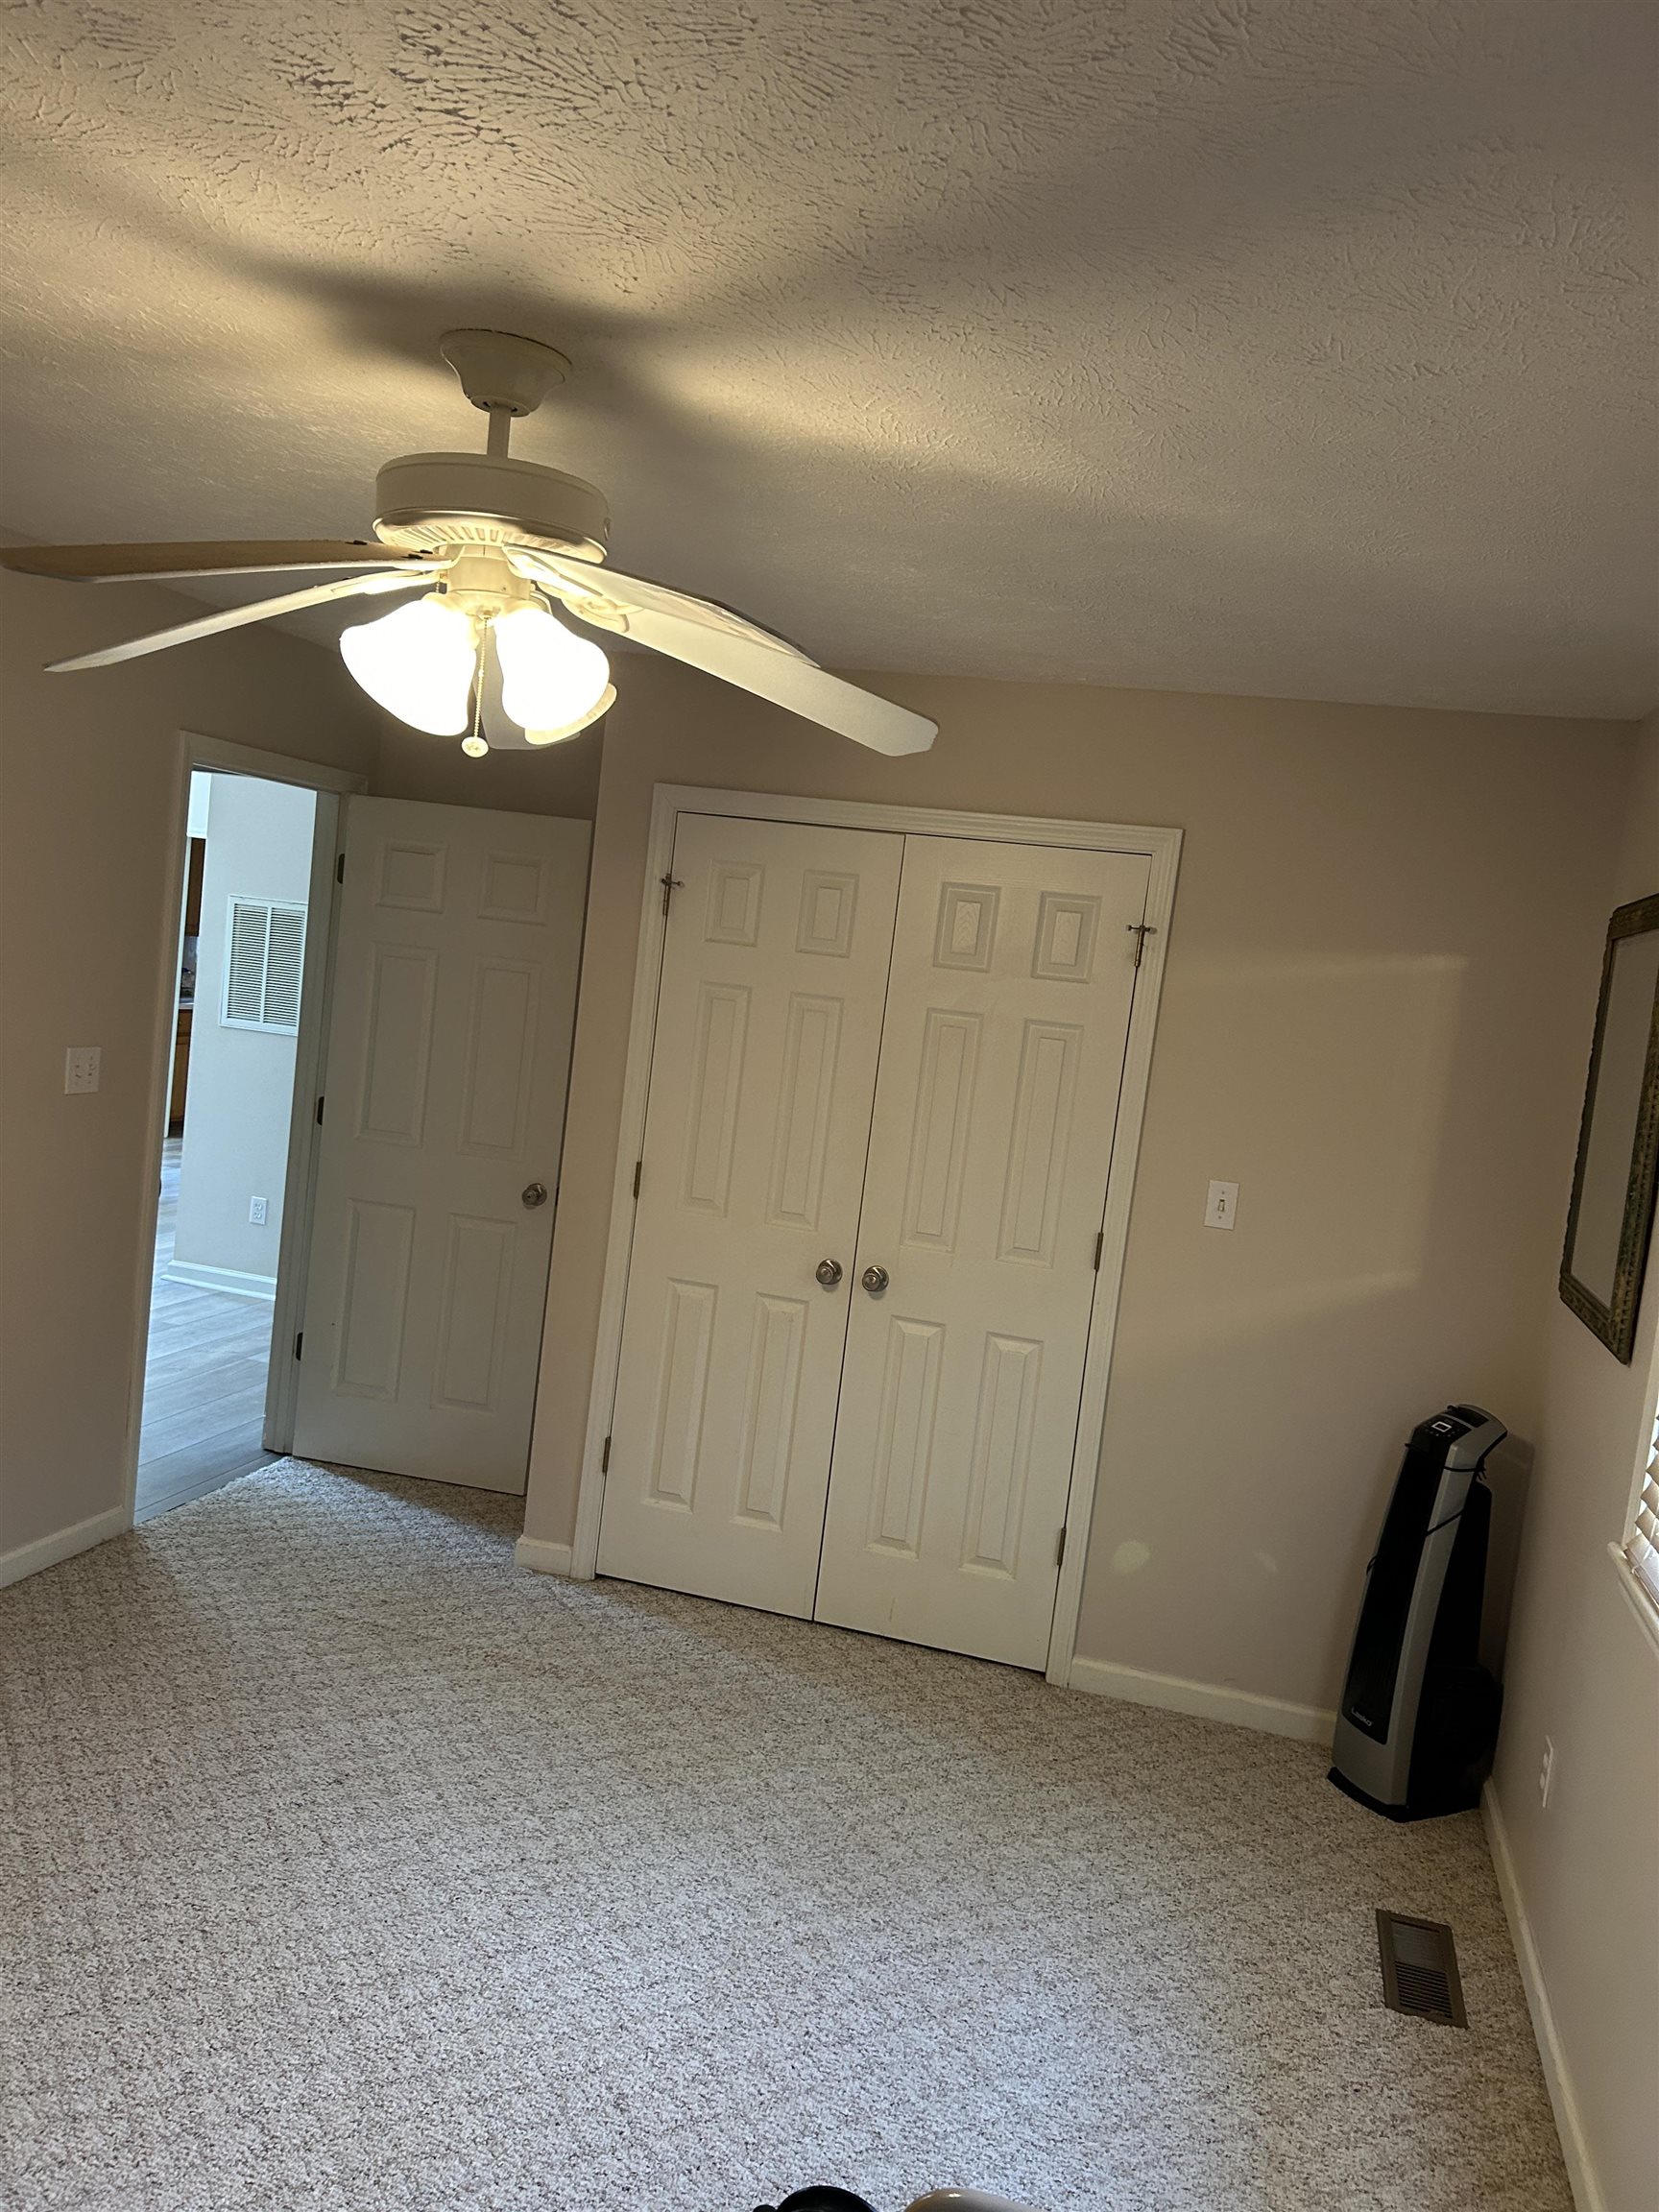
(192, 751)
(1163, 849)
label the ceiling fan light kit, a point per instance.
(550, 678)
(418, 662)
(494, 544)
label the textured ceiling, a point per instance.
(1296, 349)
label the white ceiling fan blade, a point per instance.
(724, 644)
(157, 564)
(586, 578)
(233, 617)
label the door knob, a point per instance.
(534, 1194)
(874, 1281)
(829, 1273)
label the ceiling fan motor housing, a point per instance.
(424, 502)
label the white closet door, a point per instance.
(768, 1029)
(454, 992)
(1002, 1055)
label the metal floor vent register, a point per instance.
(1420, 1968)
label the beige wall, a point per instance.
(1372, 1020)
(89, 792)
(554, 780)
(1585, 1672)
(238, 1103)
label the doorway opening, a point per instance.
(358, 1277)
(225, 1165)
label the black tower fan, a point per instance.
(1419, 1715)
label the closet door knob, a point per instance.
(874, 1281)
(533, 1195)
(829, 1273)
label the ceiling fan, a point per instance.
(490, 543)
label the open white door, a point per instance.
(454, 996)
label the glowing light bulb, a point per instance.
(418, 664)
(553, 683)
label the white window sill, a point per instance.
(1635, 1596)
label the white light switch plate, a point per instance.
(81, 1067)
(1221, 1206)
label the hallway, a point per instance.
(205, 1384)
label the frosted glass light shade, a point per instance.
(418, 664)
(552, 681)
(603, 704)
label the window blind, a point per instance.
(1643, 1547)
(263, 966)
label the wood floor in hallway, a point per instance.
(205, 1380)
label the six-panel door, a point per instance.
(448, 1051)
(1001, 1061)
(763, 1075)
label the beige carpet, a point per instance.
(355, 1868)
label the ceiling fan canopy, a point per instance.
(494, 544)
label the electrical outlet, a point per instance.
(82, 1067)
(256, 1208)
(1545, 1773)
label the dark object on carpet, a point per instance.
(819, 2199)
(1419, 1714)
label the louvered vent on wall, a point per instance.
(263, 963)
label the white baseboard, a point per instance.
(543, 1558)
(1207, 1700)
(48, 1550)
(235, 1280)
(1574, 2149)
